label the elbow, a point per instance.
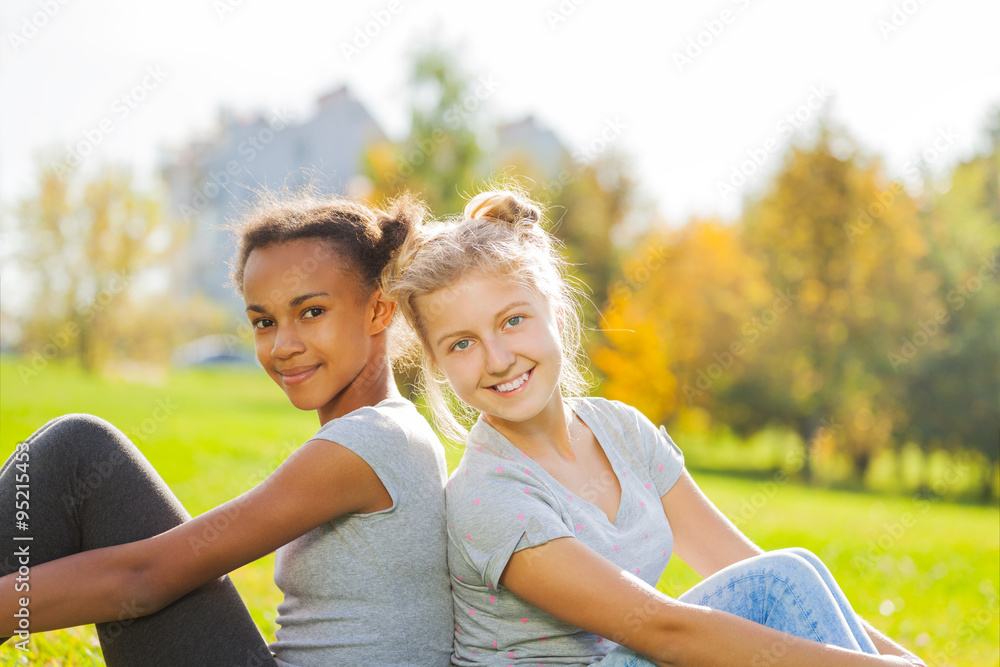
(650, 630)
(671, 636)
(139, 590)
(147, 592)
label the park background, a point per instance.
(787, 220)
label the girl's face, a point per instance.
(313, 333)
(498, 345)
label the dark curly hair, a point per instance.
(361, 235)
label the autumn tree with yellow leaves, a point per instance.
(845, 239)
(786, 317)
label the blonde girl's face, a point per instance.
(497, 343)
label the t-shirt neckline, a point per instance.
(601, 436)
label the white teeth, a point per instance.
(513, 384)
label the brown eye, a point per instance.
(315, 311)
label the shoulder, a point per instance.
(392, 420)
(613, 415)
(489, 480)
(395, 440)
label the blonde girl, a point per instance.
(565, 509)
(356, 513)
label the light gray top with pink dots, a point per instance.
(500, 501)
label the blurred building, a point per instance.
(526, 142)
(208, 181)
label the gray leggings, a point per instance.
(90, 487)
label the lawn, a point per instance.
(925, 571)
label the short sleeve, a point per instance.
(654, 449)
(494, 512)
(666, 461)
(376, 437)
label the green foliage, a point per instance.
(844, 239)
(953, 391)
(82, 248)
(838, 306)
(441, 158)
(87, 251)
(444, 161)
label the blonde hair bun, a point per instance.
(503, 206)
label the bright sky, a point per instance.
(899, 75)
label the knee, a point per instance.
(808, 557)
(792, 563)
(77, 435)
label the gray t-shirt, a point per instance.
(501, 501)
(373, 589)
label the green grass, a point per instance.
(926, 572)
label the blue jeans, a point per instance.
(790, 590)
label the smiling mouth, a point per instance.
(297, 375)
(513, 385)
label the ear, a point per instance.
(382, 312)
(561, 319)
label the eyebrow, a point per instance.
(291, 304)
(504, 310)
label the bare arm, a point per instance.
(703, 537)
(320, 481)
(708, 541)
(567, 579)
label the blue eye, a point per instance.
(514, 321)
(462, 345)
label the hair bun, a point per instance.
(504, 206)
(403, 215)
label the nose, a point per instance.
(499, 357)
(287, 342)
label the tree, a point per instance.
(844, 241)
(441, 159)
(679, 326)
(82, 249)
(953, 391)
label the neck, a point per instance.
(545, 434)
(371, 386)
